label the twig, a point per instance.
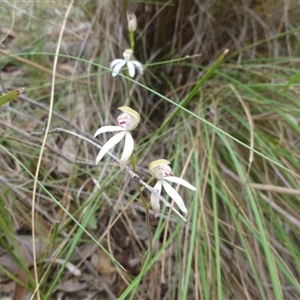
(40, 67)
(132, 174)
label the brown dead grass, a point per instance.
(85, 97)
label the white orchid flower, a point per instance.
(117, 64)
(161, 170)
(127, 121)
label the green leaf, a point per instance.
(197, 87)
(11, 96)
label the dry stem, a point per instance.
(132, 174)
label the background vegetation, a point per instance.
(236, 138)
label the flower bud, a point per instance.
(132, 23)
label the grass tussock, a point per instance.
(229, 126)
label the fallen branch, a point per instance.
(132, 174)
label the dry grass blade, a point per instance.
(241, 236)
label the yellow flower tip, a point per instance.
(225, 53)
(153, 165)
(128, 52)
(131, 112)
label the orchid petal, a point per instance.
(108, 129)
(139, 66)
(158, 186)
(116, 69)
(180, 181)
(115, 62)
(175, 196)
(155, 200)
(128, 148)
(131, 69)
(109, 144)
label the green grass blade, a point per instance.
(196, 89)
(11, 96)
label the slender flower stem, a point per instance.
(129, 85)
(131, 173)
(131, 37)
(132, 160)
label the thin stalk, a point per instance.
(131, 37)
(132, 160)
